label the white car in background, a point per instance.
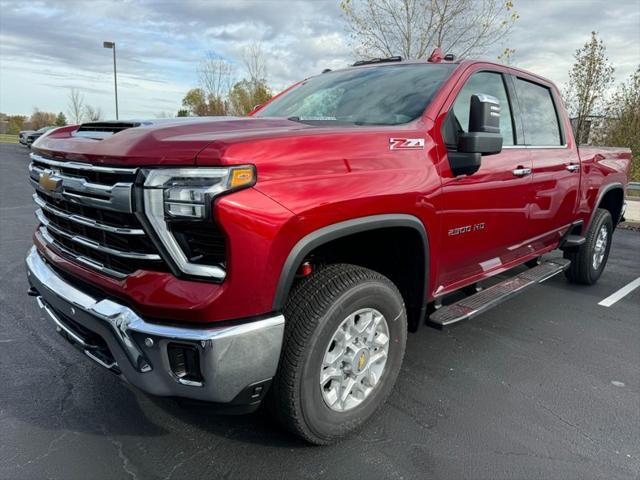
(22, 136)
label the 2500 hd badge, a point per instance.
(466, 229)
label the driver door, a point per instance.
(484, 215)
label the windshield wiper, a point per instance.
(319, 121)
(362, 124)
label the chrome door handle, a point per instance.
(573, 167)
(522, 172)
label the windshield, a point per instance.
(384, 95)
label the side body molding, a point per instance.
(343, 229)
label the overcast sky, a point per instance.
(48, 47)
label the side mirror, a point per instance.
(484, 135)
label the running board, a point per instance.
(486, 299)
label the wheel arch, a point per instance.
(611, 198)
(376, 224)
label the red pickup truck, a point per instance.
(284, 256)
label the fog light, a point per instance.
(184, 361)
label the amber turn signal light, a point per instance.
(241, 177)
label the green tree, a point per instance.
(15, 123)
(183, 112)
(623, 125)
(61, 120)
(198, 103)
(195, 102)
(246, 95)
(589, 79)
(412, 28)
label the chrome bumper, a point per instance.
(236, 362)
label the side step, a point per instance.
(486, 299)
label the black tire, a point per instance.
(582, 268)
(316, 307)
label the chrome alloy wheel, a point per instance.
(600, 247)
(354, 360)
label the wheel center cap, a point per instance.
(360, 360)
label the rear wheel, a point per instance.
(344, 342)
(589, 260)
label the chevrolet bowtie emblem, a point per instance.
(49, 181)
(362, 361)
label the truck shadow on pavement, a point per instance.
(256, 427)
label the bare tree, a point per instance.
(215, 75)
(589, 79)
(412, 28)
(75, 106)
(248, 93)
(41, 119)
(253, 58)
(93, 114)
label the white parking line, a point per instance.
(620, 294)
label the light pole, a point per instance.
(112, 45)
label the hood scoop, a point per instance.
(101, 130)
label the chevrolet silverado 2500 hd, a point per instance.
(284, 256)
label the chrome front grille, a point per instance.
(86, 213)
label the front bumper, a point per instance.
(236, 362)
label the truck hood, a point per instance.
(156, 142)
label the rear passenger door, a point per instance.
(555, 164)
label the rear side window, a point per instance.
(538, 113)
(489, 83)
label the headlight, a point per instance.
(188, 192)
(179, 197)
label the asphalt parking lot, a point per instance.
(545, 386)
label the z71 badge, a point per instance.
(406, 144)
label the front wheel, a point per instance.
(345, 336)
(588, 261)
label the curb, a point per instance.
(633, 226)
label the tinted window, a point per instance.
(538, 113)
(384, 95)
(491, 84)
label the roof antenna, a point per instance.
(436, 56)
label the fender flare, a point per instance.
(342, 229)
(606, 189)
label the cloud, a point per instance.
(550, 32)
(48, 47)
